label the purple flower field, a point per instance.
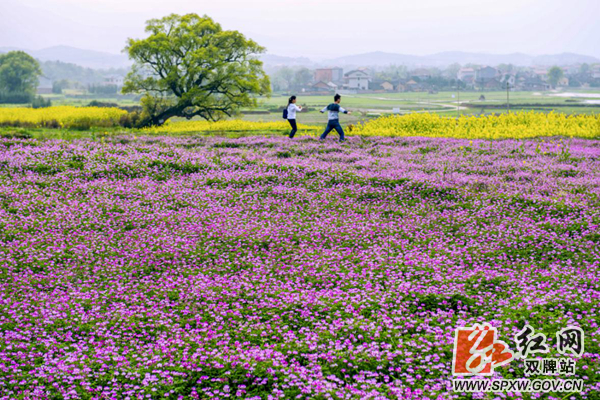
(213, 268)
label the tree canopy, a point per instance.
(19, 72)
(555, 74)
(189, 66)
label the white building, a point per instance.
(114, 80)
(466, 75)
(357, 80)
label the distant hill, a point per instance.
(377, 58)
(100, 60)
(274, 60)
(450, 57)
(460, 57)
(564, 59)
(85, 58)
(58, 70)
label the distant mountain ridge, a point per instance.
(82, 57)
(272, 59)
(101, 60)
(450, 57)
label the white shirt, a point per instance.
(292, 109)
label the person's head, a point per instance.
(292, 100)
(337, 98)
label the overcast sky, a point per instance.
(321, 28)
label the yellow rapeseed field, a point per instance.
(183, 127)
(61, 117)
(518, 125)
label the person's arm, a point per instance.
(323, 110)
(343, 110)
(298, 108)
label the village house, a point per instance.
(388, 86)
(541, 73)
(335, 75)
(114, 80)
(324, 87)
(357, 80)
(400, 87)
(509, 79)
(563, 82)
(535, 83)
(492, 84)
(413, 86)
(486, 74)
(421, 73)
(466, 75)
(43, 90)
(571, 69)
(44, 86)
(382, 85)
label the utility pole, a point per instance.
(507, 97)
(458, 98)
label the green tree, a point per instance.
(189, 66)
(19, 72)
(59, 86)
(392, 72)
(283, 79)
(40, 102)
(452, 70)
(507, 68)
(555, 74)
(303, 77)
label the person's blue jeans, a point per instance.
(331, 125)
(294, 127)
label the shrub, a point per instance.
(40, 102)
(96, 103)
(130, 120)
(15, 97)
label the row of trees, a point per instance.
(61, 71)
(291, 79)
(19, 73)
(287, 79)
(58, 87)
(19, 78)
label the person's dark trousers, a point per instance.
(294, 128)
(331, 125)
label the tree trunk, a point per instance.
(160, 119)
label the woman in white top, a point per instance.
(292, 108)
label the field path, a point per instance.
(446, 106)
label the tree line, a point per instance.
(19, 74)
